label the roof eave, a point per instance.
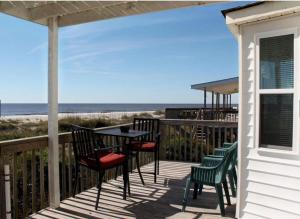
(218, 85)
(226, 11)
(259, 12)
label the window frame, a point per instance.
(295, 91)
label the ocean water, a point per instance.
(41, 109)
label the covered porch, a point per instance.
(220, 107)
(42, 168)
(160, 200)
(221, 91)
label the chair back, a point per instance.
(234, 157)
(83, 143)
(227, 144)
(233, 162)
(228, 160)
(147, 124)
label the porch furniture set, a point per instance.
(213, 172)
(91, 152)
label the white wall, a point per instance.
(269, 179)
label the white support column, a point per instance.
(241, 197)
(53, 149)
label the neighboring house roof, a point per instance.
(224, 12)
(225, 86)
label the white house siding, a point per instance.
(269, 180)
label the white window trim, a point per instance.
(295, 142)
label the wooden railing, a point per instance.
(181, 140)
(202, 114)
(190, 140)
(28, 162)
(181, 113)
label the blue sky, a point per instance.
(150, 58)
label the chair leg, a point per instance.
(220, 198)
(76, 181)
(131, 164)
(100, 179)
(128, 184)
(155, 165)
(200, 188)
(125, 180)
(225, 186)
(186, 194)
(195, 191)
(158, 161)
(234, 176)
(232, 184)
(138, 167)
(116, 173)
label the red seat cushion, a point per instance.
(146, 146)
(111, 159)
(106, 161)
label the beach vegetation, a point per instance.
(15, 129)
(159, 113)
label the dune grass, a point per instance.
(14, 129)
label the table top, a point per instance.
(117, 133)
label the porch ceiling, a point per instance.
(77, 12)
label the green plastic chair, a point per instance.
(213, 173)
(232, 176)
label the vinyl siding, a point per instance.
(270, 181)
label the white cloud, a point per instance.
(86, 72)
(79, 36)
(38, 48)
(100, 29)
(96, 48)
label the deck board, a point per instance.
(161, 200)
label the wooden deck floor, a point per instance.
(161, 200)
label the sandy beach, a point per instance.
(108, 115)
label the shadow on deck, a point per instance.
(161, 200)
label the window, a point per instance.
(276, 119)
(276, 91)
(277, 62)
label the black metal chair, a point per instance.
(97, 157)
(149, 144)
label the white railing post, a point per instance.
(53, 151)
(7, 192)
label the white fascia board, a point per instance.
(260, 12)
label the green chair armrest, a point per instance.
(211, 161)
(202, 167)
(220, 151)
(214, 156)
(227, 144)
(203, 174)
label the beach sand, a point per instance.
(110, 115)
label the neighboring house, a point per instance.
(225, 87)
(269, 147)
